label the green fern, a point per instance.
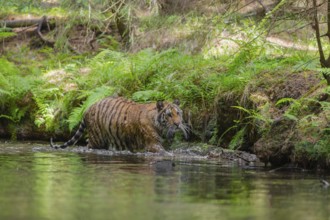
(8, 68)
(248, 111)
(4, 35)
(284, 101)
(324, 71)
(4, 92)
(94, 96)
(290, 116)
(259, 119)
(15, 114)
(295, 107)
(148, 95)
(45, 114)
(237, 139)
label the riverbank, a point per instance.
(238, 89)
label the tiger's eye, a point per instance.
(169, 113)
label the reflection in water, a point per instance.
(62, 185)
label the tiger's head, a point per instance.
(170, 118)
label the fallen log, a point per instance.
(40, 26)
(19, 23)
(39, 23)
(26, 22)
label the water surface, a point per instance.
(47, 184)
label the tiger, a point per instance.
(121, 124)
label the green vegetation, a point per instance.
(163, 56)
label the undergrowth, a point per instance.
(69, 85)
(312, 117)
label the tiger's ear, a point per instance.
(160, 105)
(177, 102)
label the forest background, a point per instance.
(251, 75)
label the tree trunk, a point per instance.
(325, 63)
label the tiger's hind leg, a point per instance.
(95, 141)
(89, 146)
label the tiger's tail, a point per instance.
(73, 140)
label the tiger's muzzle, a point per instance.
(174, 128)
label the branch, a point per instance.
(271, 13)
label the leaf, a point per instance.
(148, 95)
(8, 117)
(242, 109)
(96, 95)
(291, 117)
(237, 140)
(285, 101)
(4, 35)
(4, 92)
(325, 71)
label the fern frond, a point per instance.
(4, 35)
(76, 116)
(237, 140)
(11, 118)
(291, 117)
(4, 92)
(285, 101)
(148, 95)
(243, 109)
(96, 95)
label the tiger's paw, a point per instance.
(165, 153)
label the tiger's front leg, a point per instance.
(157, 148)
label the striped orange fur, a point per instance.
(117, 123)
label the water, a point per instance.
(41, 184)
